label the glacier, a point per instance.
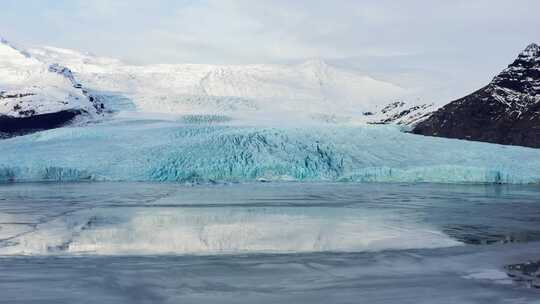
(200, 123)
(192, 149)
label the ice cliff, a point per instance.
(176, 151)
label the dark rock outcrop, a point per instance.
(506, 111)
(15, 126)
(399, 113)
(402, 114)
(528, 273)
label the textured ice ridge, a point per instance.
(181, 152)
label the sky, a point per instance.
(456, 45)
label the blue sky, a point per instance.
(472, 39)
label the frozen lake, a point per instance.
(266, 243)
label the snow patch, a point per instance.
(492, 275)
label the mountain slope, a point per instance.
(30, 88)
(65, 83)
(506, 111)
(312, 90)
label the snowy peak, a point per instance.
(527, 59)
(74, 59)
(301, 89)
(251, 93)
(521, 77)
(531, 52)
(11, 55)
(5, 43)
(30, 88)
(506, 111)
(8, 47)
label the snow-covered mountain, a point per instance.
(62, 84)
(36, 95)
(312, 90)
(29, 86)
(506, 111)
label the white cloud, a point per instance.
(468, 41)
(247, 31)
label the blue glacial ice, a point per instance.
(180, 151)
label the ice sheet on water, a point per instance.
(428, 276)
(212, 230)
(152, 150)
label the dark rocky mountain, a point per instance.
(506, 111)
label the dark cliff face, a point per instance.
(506, 111)
(15, 126)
